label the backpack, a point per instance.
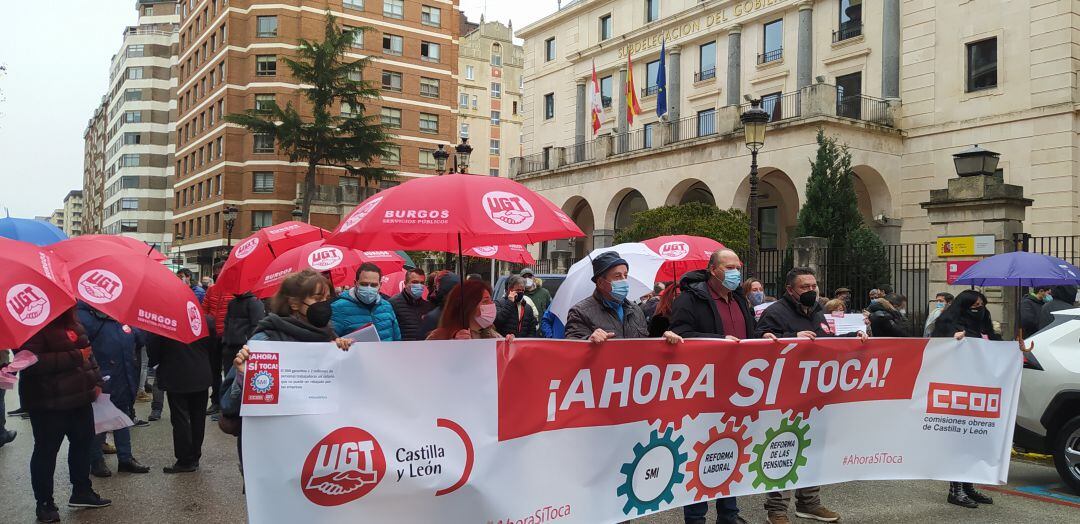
(241, 318)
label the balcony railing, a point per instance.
(649, 90)
(782, 107)
(535, 162)
(582, 152)
(863, 107)
(847, 30)
(770, 56)
(707, 74)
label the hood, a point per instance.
(243, 296)
(1064, 293)
(694, 277)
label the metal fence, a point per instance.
(702, 124)
(863, 107)
(847, 30)
(581, 152)
(534, 162)
(1066, 248)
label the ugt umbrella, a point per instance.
(35, 290)
(513, 253)
(135, 245)
(341, 263)
(37, 232)
(1021, 268)
(250, 258)
(683, 253)
(134, 290)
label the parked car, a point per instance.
(551, 283)
(1048, 417)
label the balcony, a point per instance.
(847, 31)
(649, 91)
(707, 74)
(770, 56)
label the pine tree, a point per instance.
(831, 209)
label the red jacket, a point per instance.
(216, 304)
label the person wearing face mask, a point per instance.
(940, 302)
(1063, 297)
(515, 312)
(470, 301)
(410, 305)
(1031, 306)
(608, 314)
(887, 316)
(540, 296)
(365, 305)
(754, 291)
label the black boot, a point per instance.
(958, 497)
(47, 512)
(131, 466)
(99, 469)
(976, 495)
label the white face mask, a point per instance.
(485, 315)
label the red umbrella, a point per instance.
(133, 290)
(35, 289)
(250, 258)
(340, 262)
(513, 253)
(683, 253)
(451, 213)
(133, 244)
(394, 283)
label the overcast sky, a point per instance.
(57, 71)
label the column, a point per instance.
(580, 122)
(620, 125)
(674, 82)
(890, 50)
(734, 67)
(805, 71)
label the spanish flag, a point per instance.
(632, 105)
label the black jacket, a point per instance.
(66, 372)
(1064, 298)
(694, 314)
(181, 368)
(951, 322)
(291, 329)
(886, 322)
(431, 319)
(1030, 308)
(786, 319)
(410, 313)
(658, 325)
(242, 316)
(509, 322)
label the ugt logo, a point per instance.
(325, 258)
(674, 250)
(508, 210)
(28, 304)
(247, 248)
(361, 212)
(100, 286)
(195, 318)
(486, 251)
(344, 466)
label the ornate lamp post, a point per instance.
(297, 214)
(440, 160)
(976, 161)
(178, 241)
(230, 213)
(754, 120)
(462, 153)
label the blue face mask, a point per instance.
(619, 289)
(757, 298)
(417, 290)
(1048, 298)
(732, 279)
(367, 295)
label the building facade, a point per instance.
(904, 84)
(94, 144)
(139, 119)
(57, 218)
(231, 60)
(489, 106)
(73, 213)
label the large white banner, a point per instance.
(559, 431)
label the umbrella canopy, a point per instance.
(35, 289)
(340, 262)
(451, 213)
(37, 232)
(513, 253)
(137, 246)
(133, 290)
(1021, 268)
(644, 266)
(249, 259)
(683, 253)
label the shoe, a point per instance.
(958, 497)
(778, 518)
(216, 417)
(733, 520)
(131, 466)
(214, 409)
(976, 495)
(16, 412)
(48, 512)
(820, 513)
(140, 423)
(181, 468)
(88, 499)
(143, 396)
(155, 415)
(7, 436)
(147, 388)
(108, 449)
(99, 469)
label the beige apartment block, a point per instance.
(73, 213)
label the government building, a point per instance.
(904, 84)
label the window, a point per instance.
(392, 44)
(771, 103)
(463, 100)
(495, 146)
(549, 49)
(263, 183)
(651, 70)
(549, 106)
(148, 10)
(495, 115)
(129, 182)
(849, 95)
(134, 73)
(429, 87)
(346, 110)
(266, 26)
(266, 65)
(391, 117)
(129, 204)
(850, 20)
(496, 90)
(982, 65)
(131, 95)
(261, 219)
(515, 107)
(647, 139)
(129, 226)
(474, 102)
(129, 161)
(264, 143)
(493, 172)
(706, 122)
(135, 51)
(496, 54)
(706, 62)
(391, 81)
(220, 150)
(131, 139)
(356, 75)
(427, 159)
(430, 16)
(464, 131)
(357, 36)
(605, 90)
(263, 103)
(429, 123)
(392, 156)
(652, 10)
(429, 51)
(353, 4)
(605, 27)
(773, 42)
(393, 8)
(470, 73)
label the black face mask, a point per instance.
(975, 312)
(519, 296)
(808, 299)
(318, 314)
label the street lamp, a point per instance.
(440, 160)
(754, 121)
(297, 214)
(230, 212)
(462, 152)
(976, 161)
(178, 241)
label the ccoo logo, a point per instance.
(28, 304)
(247, 248)
(344, 466)
(195, 318)
(100, 286)
(509, 211)
(486, 251)
(674, 250)
(325, 258)
(361, 212)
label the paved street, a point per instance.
(213, 494)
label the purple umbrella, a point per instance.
(1021, 268)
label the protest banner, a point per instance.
(561, 431)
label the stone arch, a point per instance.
(623, 206)
(581, 213)
(690, 190)
(873, 193)
(775, 191)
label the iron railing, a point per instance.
(535, 162)
(697, 126)
(780, 107)
(581, 152)
(707, 74)
(650, 90)
(1066, 248)
(863, 107)
(847, 30)
(770, 56)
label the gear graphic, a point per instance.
(786, 426)
(742, 441)
(656, 440)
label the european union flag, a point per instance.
(661, 82)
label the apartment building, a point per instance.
(489, 96)
(73, 213)
(95, 141)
